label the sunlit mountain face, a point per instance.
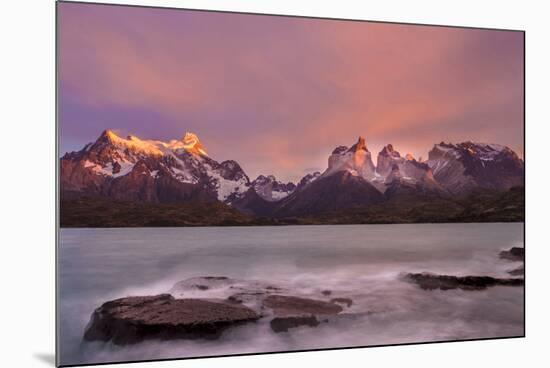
(281, 107)
(180, 171)
(355, 183)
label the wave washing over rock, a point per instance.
(282, 289)
(204, 307)
(224, 303)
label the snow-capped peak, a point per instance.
(131, 143)
(463, 166)
(356, 160)
(192, 144)
(109, 135)
(482, 151)
(184, 161)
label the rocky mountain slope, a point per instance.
(463, 167)
(181, 172)
(151, 171)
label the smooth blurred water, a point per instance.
(358, 261)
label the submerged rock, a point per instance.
(133, 319)
(249, 292)
(347, 301)
(513, 254)
(517, 272)
(292, 311)
(283, 324)
(428, 281)
(203, 307)
(200, 283)
(291, 305)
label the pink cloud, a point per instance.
(289, 90)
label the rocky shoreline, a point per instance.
(133, 319)
(204, 307)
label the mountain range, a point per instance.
(120, 172)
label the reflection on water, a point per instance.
(362, 262)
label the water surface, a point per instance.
(362, 262)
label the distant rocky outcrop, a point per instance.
(388, 159)
(513, 254)
(467, 166)
(271, 189)
(356, 159)
(520, 271)
(429, 281)
(341, 190)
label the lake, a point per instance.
(362, 262)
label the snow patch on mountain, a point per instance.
(178, 170)
(184, 160)
(271, 189)
(467, 165)
(225, 187)
(183, 176)
(108, 170)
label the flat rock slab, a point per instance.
(284, 305)
(247, 292)
(513, 254)
(134, 319)
(428, 281)
(292, 311)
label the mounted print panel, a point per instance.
(233, 183)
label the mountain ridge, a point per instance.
(181, 171)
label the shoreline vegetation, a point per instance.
(481, 207)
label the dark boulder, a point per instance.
(520, 271)
(283, 324)
(513, 254)
(428, 281)
(133, 319)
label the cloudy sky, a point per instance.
(278, 94)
